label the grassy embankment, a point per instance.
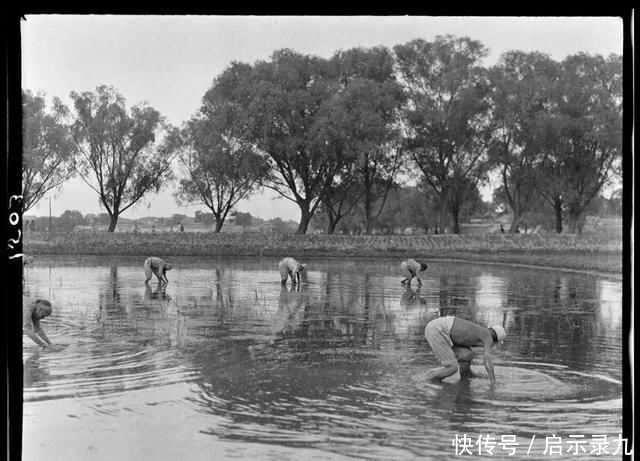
(592, 252)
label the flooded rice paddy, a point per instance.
(224, 363)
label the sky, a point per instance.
(170, 62)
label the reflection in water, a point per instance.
(34, 372)
(109, 297)
(454, 293)
(489, 298)
(290, 314)
(414, 313)
(609, 312)
(336, 365)
(158, 293)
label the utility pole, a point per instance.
(49, 215)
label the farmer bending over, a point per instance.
(451, 339)
(158, 267)
(32, 313)
(411, 269)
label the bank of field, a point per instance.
(592, 252)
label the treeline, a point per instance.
(339, 136)
(72, 220)
(407, 211)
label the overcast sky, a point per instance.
(170, 62)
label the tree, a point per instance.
(446, 116)
(612, 205)
(48, 150)
(275, 104)
(474, 207)
(361, 124)
(590, 115)
(176, 219)
(69, 220)
(220, 170)
(243, 219)
(283, 227)
(119, 157)
(407, 207)
(205, 218)
(551, 184)
(583, 136)
(102, 219)
(522, 86)
(345, 189)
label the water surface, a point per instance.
(225, 363)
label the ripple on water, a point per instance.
(68, 373)
(337, 368)
(535, 383)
